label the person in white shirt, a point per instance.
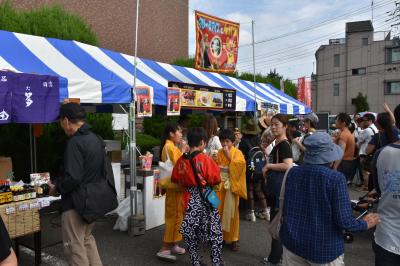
(364, 137)
(211, 127)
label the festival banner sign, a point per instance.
(301, 87)
(6, 78)
(307, 93)
(174, 101)
(270, 108)
(216, 43)
(143, 101)
(28, 98)
(205, 97)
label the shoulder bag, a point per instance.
(207, 194)
(166, 172)
(274, 180)
(94, 198)
(275, 225)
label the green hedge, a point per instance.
(154, 126)
(146, 142)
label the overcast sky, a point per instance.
(308, 24)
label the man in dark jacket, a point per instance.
(83, 161)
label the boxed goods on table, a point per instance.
(21, 218)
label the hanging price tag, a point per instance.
(10, 210)
(34, 205)
(23, 207)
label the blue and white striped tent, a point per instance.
(97, 75)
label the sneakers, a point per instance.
(250, 216)
(268, 263)
(264, 215)
(166, 255)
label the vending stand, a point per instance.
(99, 76)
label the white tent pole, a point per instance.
(132, 131)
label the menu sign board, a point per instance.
(143, 101)
(205, 97)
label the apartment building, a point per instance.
(360, 62)
(163, 24)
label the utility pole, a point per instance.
(372, 12)
(254, 73)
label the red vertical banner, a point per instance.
(301, 87)
(217, 42)
(307, 93)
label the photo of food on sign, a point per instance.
(204, 99)
(217, 100)
(188, 97)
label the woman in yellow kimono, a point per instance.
(233, 186)
(173, 200)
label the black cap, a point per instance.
(369, 117)
(72, 111)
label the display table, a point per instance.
(154, 203)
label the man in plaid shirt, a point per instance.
(317, 208)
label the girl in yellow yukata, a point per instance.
(173, 200)
(232, 187)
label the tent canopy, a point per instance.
(97, 75)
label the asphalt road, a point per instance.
(117, 248)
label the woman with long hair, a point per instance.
(347, 142)
(211, 127)
(387, 133)
(172, 137)
(280, 159)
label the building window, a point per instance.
(393, 55)
(392, 87)
(336, 60)
(358, 71)
(364, 41)
(336, 89)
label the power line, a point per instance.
(304, 44)
(303, 54)
(315, 26)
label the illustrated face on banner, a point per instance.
(216, 43)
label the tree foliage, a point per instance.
(273, 77)
(46, 21)
(361, 103)
(55, 22)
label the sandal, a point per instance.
(166, 256)
(235, 246)
(178, 250)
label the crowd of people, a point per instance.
(275, 164)
(248, 166)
